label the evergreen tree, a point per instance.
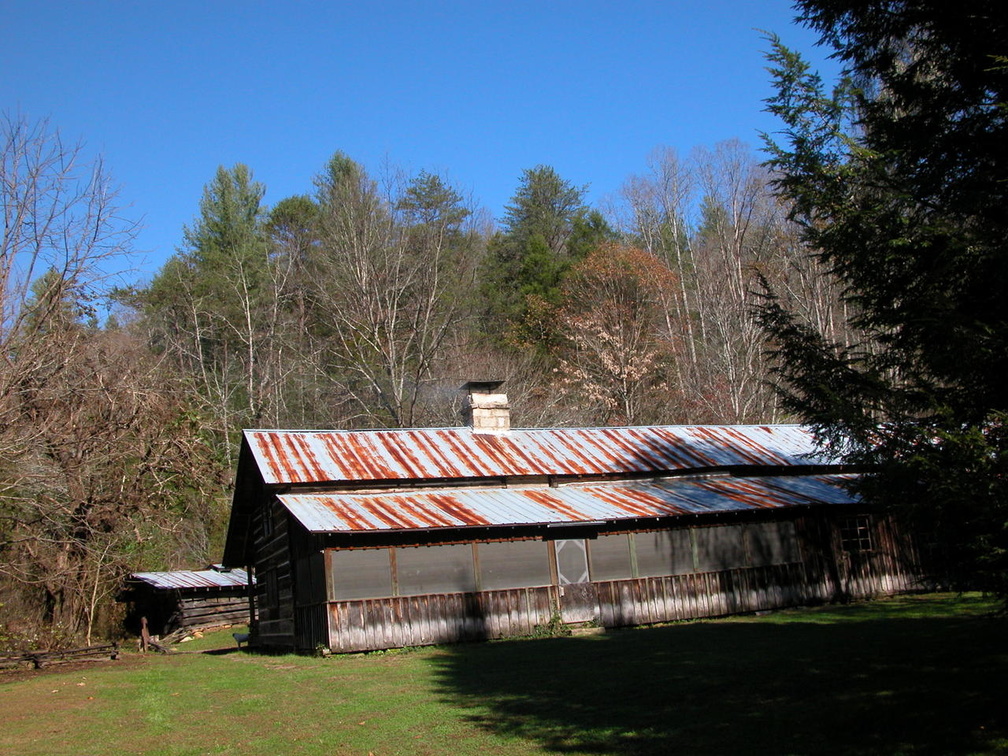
(213, 306)
(292, 233)
(429, 203)
(226, 244)
(898, 179)
(546, 228)
(292, 228)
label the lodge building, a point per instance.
(372, 539)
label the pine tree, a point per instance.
(546, 228)
(899, 179)
(212, 306)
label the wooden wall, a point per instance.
(826, 573)
(399, 621)
(298, 611)
(213, 611)
(274, 591)
(372, 624)
(290, 583)
(168, 610)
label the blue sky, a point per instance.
(477, 91)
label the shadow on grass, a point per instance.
(889, 677)
(222, 651)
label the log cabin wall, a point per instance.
(199, 611)
(311, 627)
(170, 610)
(274, 628)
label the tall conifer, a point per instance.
(899, 179)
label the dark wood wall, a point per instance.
(213, 611)
(274, 592)
(168, 610)
(290, 583)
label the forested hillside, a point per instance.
(366, 301)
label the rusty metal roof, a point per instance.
(291, 457)
(567, 504)
(189, 579)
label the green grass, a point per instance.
(221, 639)
(915, 675)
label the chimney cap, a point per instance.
(481, 387)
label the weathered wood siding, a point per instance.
(212, 611)
(274, 627)
(311, 626)
(890, 566)
(824, 572)
(646, 601)
(398, 621)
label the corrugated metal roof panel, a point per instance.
(457, 507)
(456, 453)
(186, 579)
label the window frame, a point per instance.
(854, 532)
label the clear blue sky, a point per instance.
(478, 91)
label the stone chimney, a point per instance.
(484, 409)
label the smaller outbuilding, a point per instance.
(188, 599)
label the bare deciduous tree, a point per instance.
(734, 243)
(97, 457)
(716, 223)
(614, 350)
(62, 231)
(394, 281)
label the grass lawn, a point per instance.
(920, 674)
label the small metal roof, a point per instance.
(187, 579)
(569, 504)
(292, 457)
